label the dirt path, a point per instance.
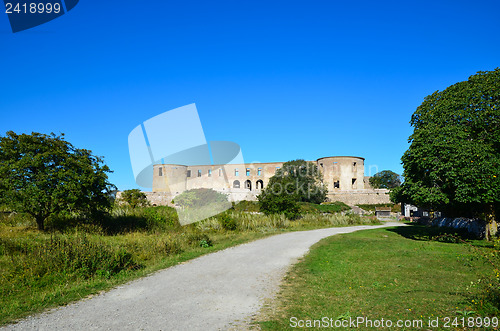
(213, 292)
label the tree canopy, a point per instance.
(199, 197)
(295, 181)
(134, 198)
(43, 175)
(453, 162)
(385, 179)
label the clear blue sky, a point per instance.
(283, 79)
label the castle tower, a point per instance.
(342, 173)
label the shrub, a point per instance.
(282, 203)
(201, 197)
(227, 222)
(134, 198)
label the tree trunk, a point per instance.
(39, 221)
(491, 224)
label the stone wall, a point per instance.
(361, 197)
(340, 174)
(349, 197)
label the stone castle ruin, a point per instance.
(343, 175)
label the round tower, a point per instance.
(169, 178)
(342, 173)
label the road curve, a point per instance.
(217, 291)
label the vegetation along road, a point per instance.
(215, 291)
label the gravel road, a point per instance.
(218, 291)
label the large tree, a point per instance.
(43, 175)
(385, 179)
(453, 162)
(134, 198)
(295, 181)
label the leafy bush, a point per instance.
(227, 222)
(200, 197)
(134, 198)
(282, 203)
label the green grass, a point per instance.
(394, 273)
(328, 208)
(77, 258)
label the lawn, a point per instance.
(394, 274)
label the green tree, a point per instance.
(296, 181)
(134, 198)
(453, 162)
(200, 197)
(43, 175)
(385, 179)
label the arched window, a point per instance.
(236, 184)
(259, 185)
(248, 185)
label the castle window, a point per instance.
(199, 173)
(321, 165)
(236, 173)
(248, 185)
(354, 166)
(259, 184)
(189, 173)
(248, 172)
(209, 172)
(354, 183)
(236, 184)
(336, 184)
(160, 171)
(259, 171)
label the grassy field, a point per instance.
(405, 273)
(76, 258)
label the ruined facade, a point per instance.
(343, 175)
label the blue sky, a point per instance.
(283, 79)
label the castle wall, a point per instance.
(343, 175)
(361, 197)
(169, 178)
